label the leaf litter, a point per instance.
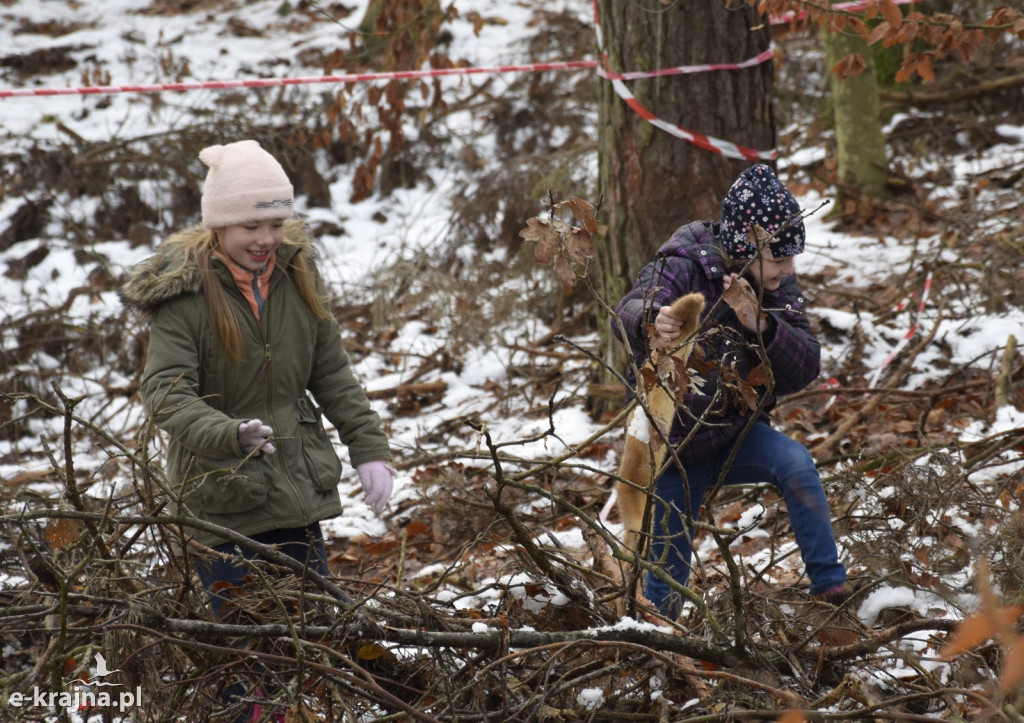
(460, 345)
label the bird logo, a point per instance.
(101, 672)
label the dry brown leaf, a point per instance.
(838, 636)
(649, 377)
(665, 366)
(750, 397)
(682, 374)
(540, 230)
(891, 12)
(879, 32)
(907, 32)
(1013, 666)
(579, 246)
(739, 295)
(851, 65)
(925, 69)
(980, 628)
(565, 272)
(905, 71)
(837, 23)
(371, 651)
(758, 376)
(562, 244)
(582, 212)
(858, 25)
(62, 532)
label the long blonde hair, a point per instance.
(199, 245)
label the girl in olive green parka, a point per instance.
(244, 361)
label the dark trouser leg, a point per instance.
(223, 578)
(219, 576)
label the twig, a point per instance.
(876, 397)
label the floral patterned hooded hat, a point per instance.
(758, 198)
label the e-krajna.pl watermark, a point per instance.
(118, 701)
(83, 694)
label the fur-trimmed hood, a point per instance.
(171, 273)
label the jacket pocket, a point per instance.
(241, 489)
(317, 450)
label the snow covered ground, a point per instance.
(125, 44)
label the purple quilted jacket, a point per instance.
(715, 405)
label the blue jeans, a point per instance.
(765, 455)
(305, 544)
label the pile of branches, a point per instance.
(109, 579)
(96, 567)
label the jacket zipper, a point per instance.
(266, 374)
(266, 362)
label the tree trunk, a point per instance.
(860, 144)
(650, 181)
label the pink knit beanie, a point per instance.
(244, 183)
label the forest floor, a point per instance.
(490, 588)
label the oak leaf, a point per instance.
(649, 377)
(579, 246)
(582, 212)
(750, 397)
(565, 272)
(758, 376)
(540, 230)
(568, 248)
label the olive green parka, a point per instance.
(198, 395)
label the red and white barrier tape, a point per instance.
(832, 383)
(763, 57)
(369, 77)
(851, 7)
(910, 332)
(709, 143)
(272, 82)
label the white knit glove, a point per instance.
(255, 435)
(377, 479)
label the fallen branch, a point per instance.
(876, 397)
(492, 639)
(976, 90)
(1005, 367)
(420, 389)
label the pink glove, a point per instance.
(255, 435)
(377, 479)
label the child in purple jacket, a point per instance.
(761, 342)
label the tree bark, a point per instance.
(650, 181)
(860, 144)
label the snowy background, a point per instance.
(121, 42)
